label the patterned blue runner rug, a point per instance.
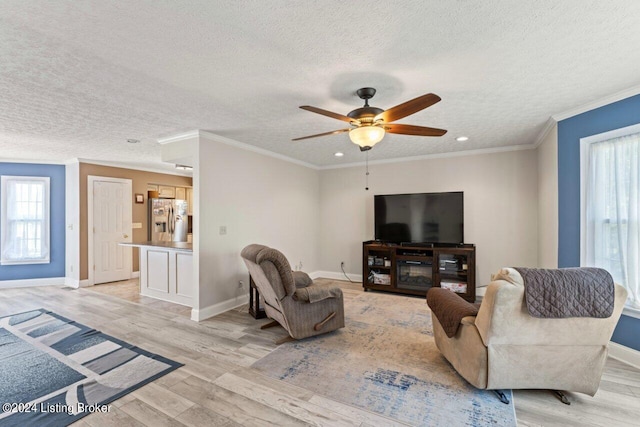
(385, 360)
(55, 371)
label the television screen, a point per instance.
(423, 218)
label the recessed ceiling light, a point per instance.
(462, 138)
(133, 141)
(338, 154)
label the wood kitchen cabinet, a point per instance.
(167, 192)
(181, 193)
(190, 201)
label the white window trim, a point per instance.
(631, 311)
(47, 228)
(584, 170)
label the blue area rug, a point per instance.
(55, 371)
(385, 360)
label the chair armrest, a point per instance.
(316, 293)
(469, 320)
(449, 308)
(301, 279)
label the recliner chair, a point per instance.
(504, 347)
(304, 310)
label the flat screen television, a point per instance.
(420, 218)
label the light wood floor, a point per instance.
(130, 290)
(217, 387)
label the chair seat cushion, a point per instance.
(317, 293)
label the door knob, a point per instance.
(126, 235)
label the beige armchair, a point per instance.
(504, 347)
(303, 309)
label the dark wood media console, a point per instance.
(413, 269)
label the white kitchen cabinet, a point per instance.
(167, 273)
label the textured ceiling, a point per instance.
(79, 78)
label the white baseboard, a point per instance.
(221, 307)
(135, 274)
(624, 354)
(75, 283)
(71, 282)
(335, 275)
(26, 283)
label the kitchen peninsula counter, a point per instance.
(166, 271)
(177, 246)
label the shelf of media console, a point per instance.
(428, 256)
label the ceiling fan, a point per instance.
(369, 124)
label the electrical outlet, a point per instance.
(240, 284)
(223, 230)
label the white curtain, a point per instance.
(26, 220)
(612, 205)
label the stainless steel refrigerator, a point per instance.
(168, 220)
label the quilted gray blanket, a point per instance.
(568, 292)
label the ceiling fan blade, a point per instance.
(323, 134)
(407, 108)
(329, 114)
(414, 130)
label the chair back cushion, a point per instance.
(503, 318)
(262, 282)
(568, 292)
(271, 272)
(278, 271)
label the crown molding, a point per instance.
(99, 163)
(477, 152)
(35, 162)
(618, 96)
(234, 143)
(180, 136)
(134, 167)
(548, 126)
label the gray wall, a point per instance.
(500, 206)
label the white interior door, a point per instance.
(112, 215)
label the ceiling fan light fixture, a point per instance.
(369, 124)
(366, 136)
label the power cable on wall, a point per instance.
(345, 274)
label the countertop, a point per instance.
(176, 246)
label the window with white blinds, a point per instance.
(24, 236)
